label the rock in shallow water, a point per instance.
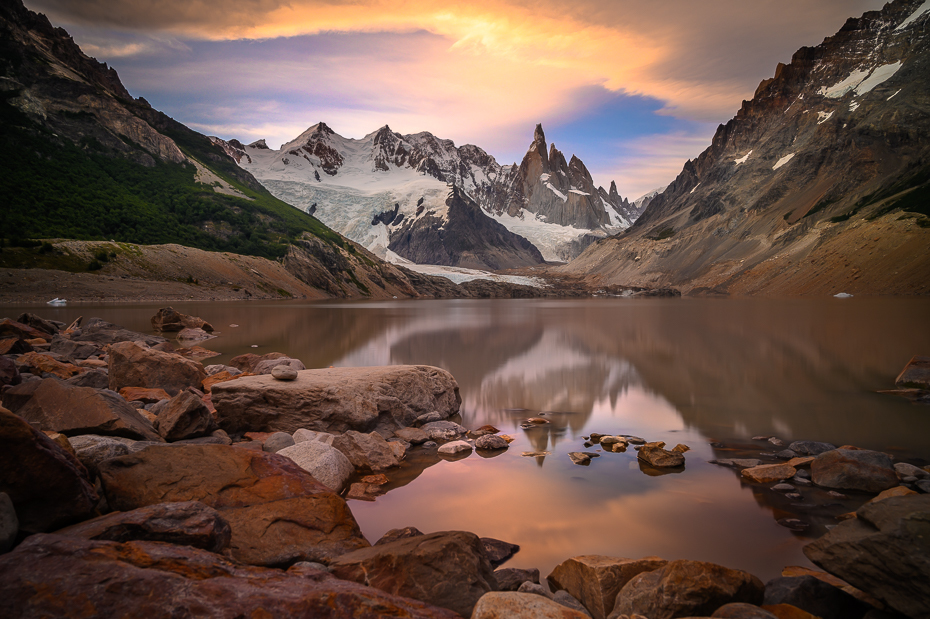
(455, 447)
(655, 455)
(328, 465)
(854, 469)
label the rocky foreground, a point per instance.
(137, 481)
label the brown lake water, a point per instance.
(692, 371)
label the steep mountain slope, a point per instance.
(819, 184)
(352, 185)
(82, 159)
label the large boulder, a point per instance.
(448, 569)
(854, 469)
(12, 328)
(516, 605)
(40, 364)
(366, 452)
(48, 485)
(38, 323)
(59, 407)
(328, 465)
(278, 512)
(884, 551)
(686, 589)
(60, 576)
(595, 580)
(916, 374)
(72, 349)
(132, 365)
(92, 449)
(336, 399)
(189, 523)
(169, 319)
(184, 416)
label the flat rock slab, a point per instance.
(59, 576)
(336, 399)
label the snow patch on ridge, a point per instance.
(783, 161)
(742, 159)
(925, 7)
(862, 81)
(824, 117)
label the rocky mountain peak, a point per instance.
(257, 144)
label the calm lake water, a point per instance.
(692, 371)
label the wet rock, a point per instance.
(786, 454)
(848, 469)
(686, 588)
(535, 589)
(447, 569)
(92, 449)
(189, 523)
(783, 488)
(680, 448)
(595, 580)
(510, 578)
(336, 399)
(742, 463)
(739, 610)
(612, 440)
(47, 485)
(328, 465)
(814, 596)
(167, 580)
(187, 336)
(483, 431)
(517, 605)
(169, 319)
(9, 524)
(41, 364)
(278, 441)
(455, 447)
(184, 417)
(278, 513)
(443, 430)
(768, 473)
(810, 448)
(884, 551)
(132, 365)
(303, 434)
(580, 457)
(654, 455)
(414, 436)
(101, 332)
(801, 461)
(397, 534)
(366, 452)
(491, 441)
(916, 374)
(58, 407)
(498, 551)
(283, 372)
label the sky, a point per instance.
(634, 88)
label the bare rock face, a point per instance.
(278, 513)
(188, 523)
(184, 416)
(884, 551)
(448, 569)
(47, 485)
(169, 319)
(132, 365)
(595, 580)
(60, 576)
(60, 407)
(686, 589)
(336, 399)
(854, 469)
(517, 605)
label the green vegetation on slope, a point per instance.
(52, 187)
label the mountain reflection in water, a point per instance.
(686, 371)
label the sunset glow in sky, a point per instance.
(634, 88)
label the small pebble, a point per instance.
(783, 487)
(793, 495)
(800, 481)
(837, 495)
(794, 524)
(776, 441)
(283, 372)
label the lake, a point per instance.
(708, 373)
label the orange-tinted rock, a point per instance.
(768, 473)
(47, 485)
(219, 377)
(448, 569)
(14, 346)
(59, 576)
(854, 469)
(278, 512)
(787, 611)
(11, 328)
(144, 394)
(132, 365)
(169, 319)
(38, 363)
(189, 523)
(595, 580)
(515, 605)
(686, 589)
(184, 416)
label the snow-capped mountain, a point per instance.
(819, 184)
(379, 189)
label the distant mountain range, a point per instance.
(820, 184)
(392, 193)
